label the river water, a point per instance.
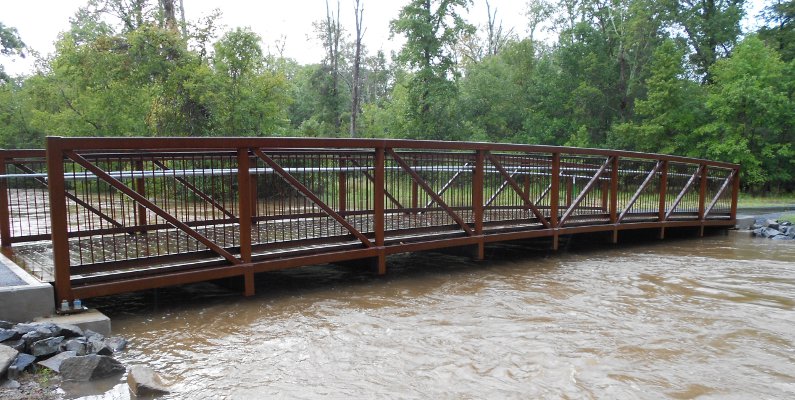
(680, 318)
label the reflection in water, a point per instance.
(710, 318)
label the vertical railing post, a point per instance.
(415, 189)
(477, 201)
(59, 227)
(569, 191)
(663, 193)
(342, 187)
(702, 198)
(614, 197)
(554, 198)
(605, 190)
(140, 188)
(244, 209)
(5, 213)
(378, 208)
(735, 194)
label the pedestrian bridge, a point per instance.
(99, 216)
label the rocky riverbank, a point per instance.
(36, 357)
(773, 229)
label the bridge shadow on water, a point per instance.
(437, 266)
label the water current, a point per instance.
(681, 318)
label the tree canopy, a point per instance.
(677, 77)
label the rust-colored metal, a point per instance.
(312, 197)
(140, 187)
(194, 190)
(70, 196)
(58, 220)
(424, 185)
(638, 192)
(318, 208)
(527, 203)
(5, 217)
(682, 193)
(378, 207)
(477, 199)
(591, 183)
(149, 205)
(245, 208)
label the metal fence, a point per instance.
(135, 213)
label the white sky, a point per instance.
(40, 21)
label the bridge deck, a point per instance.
(105, 216)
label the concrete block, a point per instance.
(90, 319)
(22, 303)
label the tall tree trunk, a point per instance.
(183, 24)
(358, 12)
(170, 15)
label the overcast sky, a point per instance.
(39, 22)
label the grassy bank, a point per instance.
(749, 200)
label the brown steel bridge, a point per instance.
(98, 216)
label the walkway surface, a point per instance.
(8, 277)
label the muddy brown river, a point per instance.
(695, 318)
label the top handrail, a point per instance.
(214, 143)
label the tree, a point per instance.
(780, 30)
(753, 114)
(711, 28)
(431, 28)
(10, 44)
(357, 60)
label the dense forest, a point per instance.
(678, 77)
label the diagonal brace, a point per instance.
(720, 192)
(438, 199)
(312, 197)
(681, 195)
(151, 206)
(196, 190)
(447, 185)
(527, 203)
(639, 191)
(72, 197)
(585, 190)
(499, 190)
(371, 178)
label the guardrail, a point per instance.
(126, 214)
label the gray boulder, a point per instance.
(78, 345)
(7, 356)
(116, 344)
(772, 224)
(23, 361)
(6, 324)
(90, 367)
(54, 363)
(8, 334)
(45, 347)
(24, 328)
(780, 237)
(16, 344)
(770, 232)
(70, 331)
(144, 381)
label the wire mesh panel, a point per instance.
(587, 179)
(683, 186)
(638, 193)
(286, 212)
(427, 190)
(107, 224)
(515, 184)
(719, 193)
(28, 198)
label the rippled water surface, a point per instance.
(707, 318)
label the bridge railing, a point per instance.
(127, 214)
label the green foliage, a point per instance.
(665, 77)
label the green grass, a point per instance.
(788, 217)
(749, 200)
